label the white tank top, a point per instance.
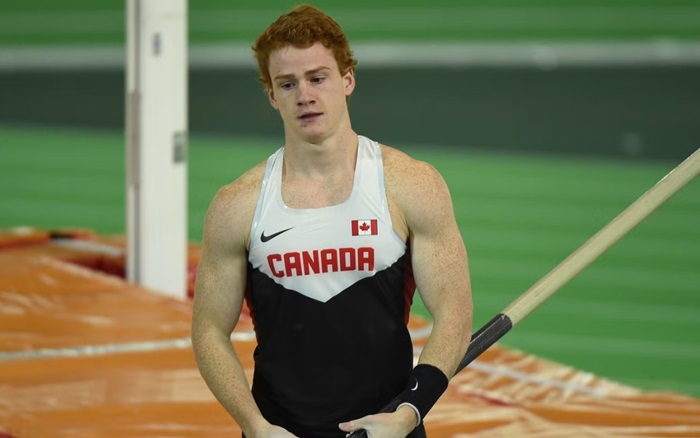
(320, 252)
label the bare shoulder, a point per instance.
(244, 186)
(411, 182)
(233, 206)
(241, 193)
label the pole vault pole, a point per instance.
(593, 248)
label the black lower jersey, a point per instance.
(329, 290)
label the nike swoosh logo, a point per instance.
(264, 238)
(415, 388)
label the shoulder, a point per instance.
(233, 207)
(242, 192)
(415, 187)
(407, 177)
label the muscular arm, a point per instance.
(219, 291)
(440, 267)
(421, 211)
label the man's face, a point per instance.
(309, 92)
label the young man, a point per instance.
(327, 241)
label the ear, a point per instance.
(349, 81)
(271, 97)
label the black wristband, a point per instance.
(426, 385)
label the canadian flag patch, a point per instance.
(364, 227)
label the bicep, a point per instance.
(440, 268)
(439, 256)
(219, 289)
(221, 274)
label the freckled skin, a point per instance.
(311, 95)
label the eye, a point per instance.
(318, 79)
(286, 85)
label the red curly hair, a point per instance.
(302, 27)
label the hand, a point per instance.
(393, 425)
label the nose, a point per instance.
(305, 94)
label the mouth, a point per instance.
(307, 117)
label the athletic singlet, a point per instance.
(329, 290)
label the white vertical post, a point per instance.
(156, 122)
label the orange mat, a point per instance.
(86, 354)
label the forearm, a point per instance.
(222, 371)
(448, 340)
(438, 361)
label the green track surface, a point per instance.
(84, 22)
(633, 316)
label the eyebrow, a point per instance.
(308, 73)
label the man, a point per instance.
(326, 241)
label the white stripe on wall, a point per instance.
(545, 55)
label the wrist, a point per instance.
(408, 417)
(426, 385)
(255, 427)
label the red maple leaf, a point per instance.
(364, 226)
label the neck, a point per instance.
(330, 157)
